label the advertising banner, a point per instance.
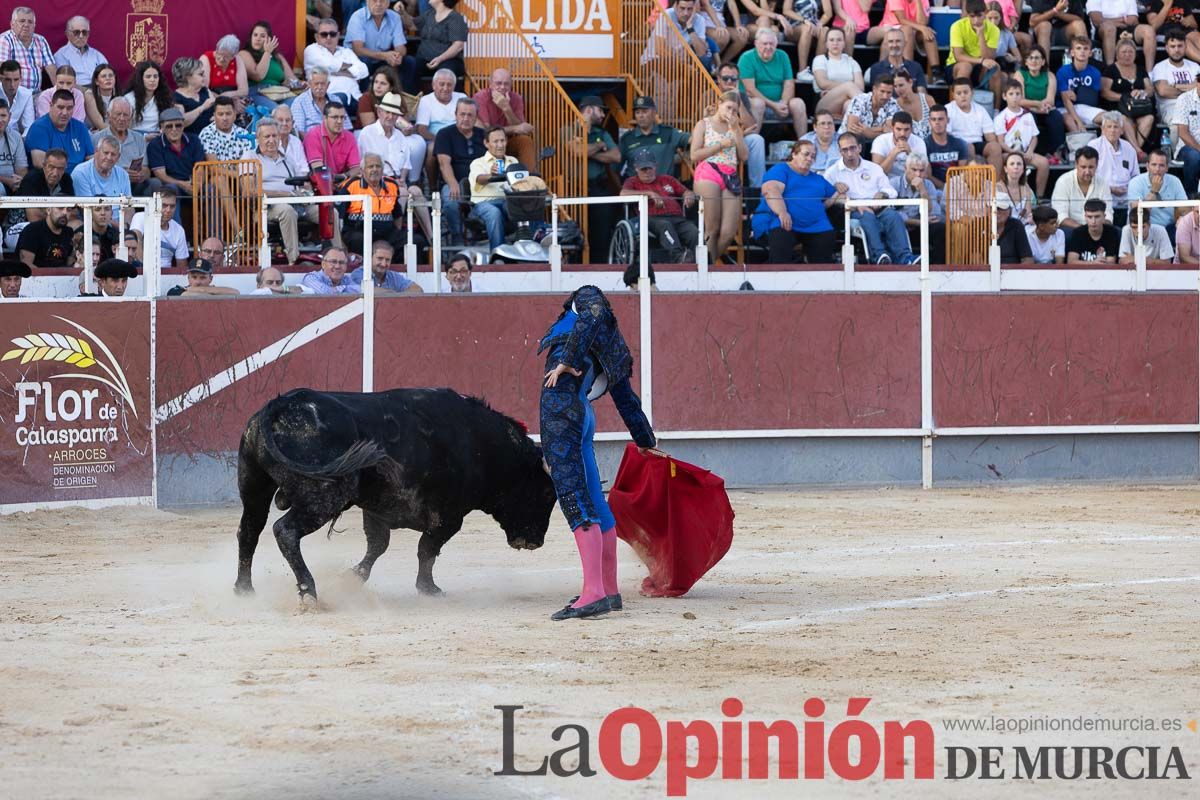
(75, 405)
(129, 31)
(574, 37)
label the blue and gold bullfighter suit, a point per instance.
(586, 338)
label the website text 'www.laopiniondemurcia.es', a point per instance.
(632, 744)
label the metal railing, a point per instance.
(661, 63)
(227, 203)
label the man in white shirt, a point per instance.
(1187, 131)
(275, 172)
(1158, 244)
(1174, 76)
(891, 150)
(1076, 187)
(174, 248)
(290, 144)
(403, 153)
(436, 111)
(887, 236)
(345, 68)
(19, 98)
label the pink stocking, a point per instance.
(610, 561)
(591, 553)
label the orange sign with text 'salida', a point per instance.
(146, 31)
(573, 37)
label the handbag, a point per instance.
(1134, 107)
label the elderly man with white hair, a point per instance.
(402, 153)
(290, 143)
(275, 173)
(100, 176)
(1118, 163)
(29, 49)
(132, 146)
(345, 68)
(77, 54)
(767, 75)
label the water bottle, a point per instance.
(1165, 143)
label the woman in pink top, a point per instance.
(851, 15)
(912, 17)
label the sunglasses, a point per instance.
(171, 125)
(327, 34)
(80, 33)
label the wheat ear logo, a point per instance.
(78, 352)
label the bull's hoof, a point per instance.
(430, 589)
(243, 589)
(362, 572)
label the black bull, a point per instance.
(409, 458)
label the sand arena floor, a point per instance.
(128, 668)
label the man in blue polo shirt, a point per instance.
(172, 155)
(793, 209)
(376, 35)
(59, 130)
(100, 176)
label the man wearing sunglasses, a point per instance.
(77, 54)
(345, 68)
(173, 154)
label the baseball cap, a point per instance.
(590, 100)
(644, 158)
(200, 265)
(1003, 202)
(643, 101)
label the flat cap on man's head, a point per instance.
(10, 267)
(644, 158)
(392, 102)
(643, 101)
(591, 100)
(200, 265)
(170, 115)
(115, 268)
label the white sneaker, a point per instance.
(805, 75)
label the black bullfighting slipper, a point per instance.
(601, 606)
(614, 600)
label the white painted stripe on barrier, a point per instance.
(907, 602)
(266, 356)
(92, 504)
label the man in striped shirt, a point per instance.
(28, 49)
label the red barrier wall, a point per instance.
(200, 339)
(822, 360)
(721, 361)
(1064, 359)
(483, 345)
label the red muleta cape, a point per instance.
(676, 516)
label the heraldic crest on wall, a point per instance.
(146, 31)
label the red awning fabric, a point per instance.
(676, 516)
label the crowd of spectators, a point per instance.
(1105, 127)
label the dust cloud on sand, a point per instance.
(128, 667)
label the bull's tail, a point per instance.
(360, 455)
